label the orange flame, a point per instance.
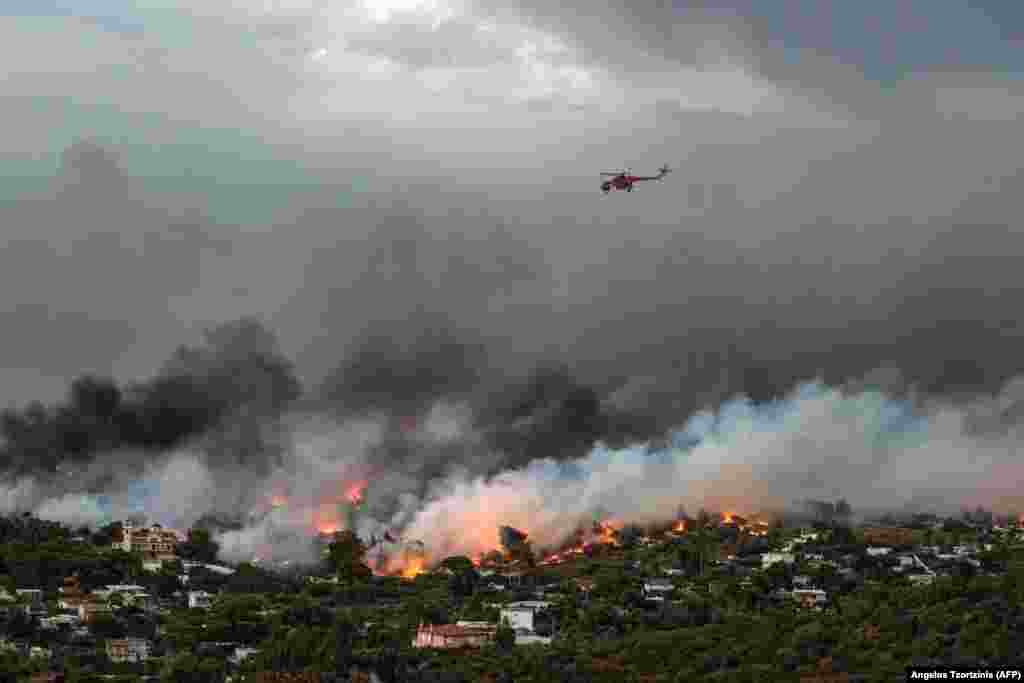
(354, 492)
(413, 568)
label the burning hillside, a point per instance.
(285, 476)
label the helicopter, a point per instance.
(624, 180)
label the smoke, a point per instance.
(877, 451)
(859, 442)
(175, 488)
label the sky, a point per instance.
(845, 196)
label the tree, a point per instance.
(464, 582)
(630, 535)
(344, 638)
(346, 555)
(505, 637)
(457, 563)
(703, 545)
(199, 546)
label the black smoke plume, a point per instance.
(236, 376)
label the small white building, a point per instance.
(802, 581)
(129, 593)
(768, 559)
(198, 600)
(35, 604)
(524, 637)
(657, 590)
(519, 615)
(128, 650)
(241, 654)
(215, 568)
(88, 611)
(55, 622)
(38, 652)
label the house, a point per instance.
(450, 636)
(198, 600)
(51, 623)
(920, 577)
(215, 568)
(810, 598)
(152, 565)
(154, 542)
(519, 615)
(88, 611)
(47, 677)
(71, 594)
(802, 581)
(37, 652)
(887, 536)
(657, 589)
(768, 559)
(241, 654)
(35, 605)
(126, 591)
(128, 650)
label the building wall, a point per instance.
(153, 541)
(888, 536)
(518, 618)
(449, 636)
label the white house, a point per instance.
(921, 578)
(241, 654)
(198, 600)
(129, 593)
(59, 620)
(38, 652)
(519, 615)
(802, 581)
(215, 568)
(657, 589)
(768, 559)
(36, 606)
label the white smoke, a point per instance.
(819, 442)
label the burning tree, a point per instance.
(516, 545)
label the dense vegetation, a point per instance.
(720, 624)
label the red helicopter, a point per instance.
(624, 180)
